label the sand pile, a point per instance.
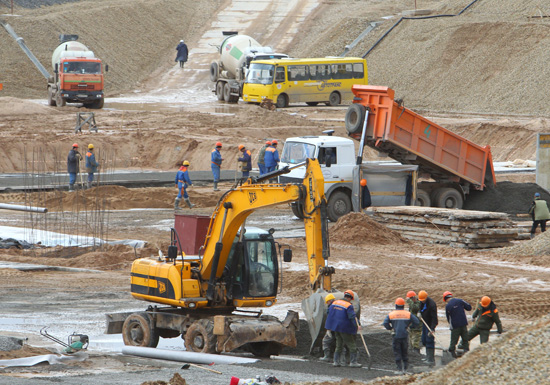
(358, 229)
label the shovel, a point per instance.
(186, 366)
(446, 356)
(365, 345)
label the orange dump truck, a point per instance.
(449, 165)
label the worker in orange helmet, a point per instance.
(366, 200)
(414, 331)
(73, 165)
(398, 321)
(261, 155)
(246, 160)
(455, 310)
(428, 312)
(487, 315)
(342, 321)
(216, 160)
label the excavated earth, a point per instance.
(483, 75)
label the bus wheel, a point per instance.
(219, 90)
(282, 101)
(312, 104)
(334, 99)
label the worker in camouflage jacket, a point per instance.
(487, 315)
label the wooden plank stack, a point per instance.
(458, 228)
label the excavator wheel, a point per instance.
(200, 337)
(139, 330)
(264, 349)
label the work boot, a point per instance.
(216, 186)
(71, 187)
(353, 361)
(430, 354)
(326, 357)
(177, 204)
(191, 205)
(336, 361)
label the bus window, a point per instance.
(280, 75)
(297, 73)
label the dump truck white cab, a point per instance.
(390, 184)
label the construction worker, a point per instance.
(539, 213)
(398, 321)
(342, 321)
(246, 160)
(366, 200)
(216, 159)
(329, 337)
(414, 331)
(73, 165)
(261, 155)
(428, 312)
(487, 315)
(455, 310)
(271, 157)
(91, 164)
(182, 182)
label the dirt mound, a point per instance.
(14, 106)
(357, 229)
(506, 197)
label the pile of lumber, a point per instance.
(459, 228)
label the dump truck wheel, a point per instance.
(219, 90)
(282, 101)
(214, 71)
(334, 99)
(200, 337)
(449, 198)
(312, 104)
(138, 330)
(339, 204)
(264, 349)
(355, 117)
(51, 100)
(423, 199)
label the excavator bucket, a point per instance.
(315, 310)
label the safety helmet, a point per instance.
(363, 182)
(422, 295)
(485, 301)
(274, 142)
(411, 294)
(90, 146)
(241, 146)
(447, 295)
(186, 163)
(75, 145)
(349, 293)
(268, 142)
(218, 144)
(400, 302)
(329, 297)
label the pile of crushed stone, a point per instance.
(358, 229)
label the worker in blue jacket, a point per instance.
(216, 160)
(182, 183)
(398, 321)
(342, 321)
(455, 310)
(246, 160)
(271, 157)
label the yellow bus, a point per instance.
(313, 81)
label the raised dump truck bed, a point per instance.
(453, 164)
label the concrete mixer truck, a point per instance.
(78, 75)
(229, 71)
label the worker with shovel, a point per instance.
(398, 321)
(428, 312)
(455, 310)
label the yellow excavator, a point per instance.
(206, 296)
